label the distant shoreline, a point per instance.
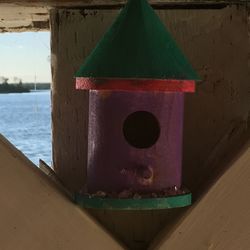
(37, 86)
(23, 88)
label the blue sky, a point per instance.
(26, 56)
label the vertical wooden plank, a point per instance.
(73, 35)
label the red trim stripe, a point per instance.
(135, 84)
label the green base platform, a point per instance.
(182, 200)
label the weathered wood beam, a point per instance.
(68, 3)
(220, 220)
(31, 15)
(14, 18)
(34, 214)
(114, 4)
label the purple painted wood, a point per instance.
(113, 164)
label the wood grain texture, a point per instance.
(33, 15)
(35, 215)
(69, 107)
(221, 219)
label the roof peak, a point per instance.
(137, 45)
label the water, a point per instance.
(25, 120)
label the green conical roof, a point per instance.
(137, 46)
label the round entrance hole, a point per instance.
(141, 129)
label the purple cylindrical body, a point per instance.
(114, 164)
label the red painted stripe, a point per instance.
(135, 84)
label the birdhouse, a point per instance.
(136, 78)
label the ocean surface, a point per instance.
(25, 120)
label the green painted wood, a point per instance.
(137, 46)
(134, 204)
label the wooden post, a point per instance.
(72, 38)
(215, 41)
